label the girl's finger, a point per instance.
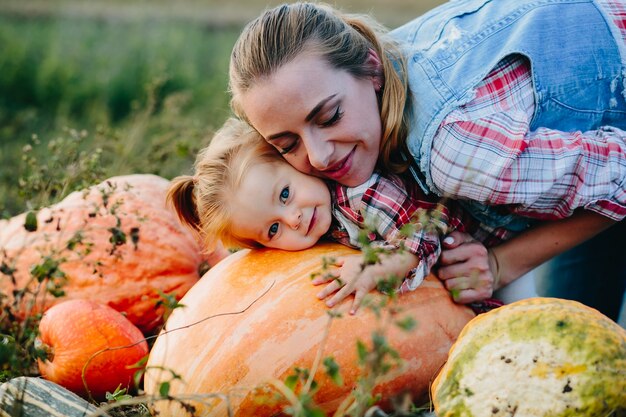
(328, 289)
(340, 295)
(326, 276)
(358, 299)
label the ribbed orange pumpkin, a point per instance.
(540, 357)
(165, 259)
(83, 333)
(230, 344)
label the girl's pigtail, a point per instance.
(181, 196)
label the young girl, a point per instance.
(245, 194)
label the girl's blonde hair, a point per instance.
(203, 201)
(280, 34)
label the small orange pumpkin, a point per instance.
(254, 317)
(84, 334)
(127, 277)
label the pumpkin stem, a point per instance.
(45, 351)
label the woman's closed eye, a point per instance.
(336, 116)
(285, 149)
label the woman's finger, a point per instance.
(469, 295)
(459, 283)
(472, 267)
(465, 252)
(456, 239)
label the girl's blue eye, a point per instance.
(284, 195)
(273, 230)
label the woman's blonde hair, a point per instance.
(203, 201)
(280, 34)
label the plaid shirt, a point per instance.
(385, 205)
(485, 151)
(494, 126)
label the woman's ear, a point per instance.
(374, 63)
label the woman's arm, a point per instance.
(472, 272)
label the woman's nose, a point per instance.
(319, 152)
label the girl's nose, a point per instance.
(294, 218)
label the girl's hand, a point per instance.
(346, 278)
(466, 268)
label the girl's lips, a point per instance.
(341, 169)
(312, 222)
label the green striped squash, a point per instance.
(37, 397)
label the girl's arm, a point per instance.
(385, 206)
(472, 272)
(351, 277)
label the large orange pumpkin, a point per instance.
(126, 277)
(255, 316)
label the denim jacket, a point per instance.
(578, 68)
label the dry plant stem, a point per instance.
(318, 356)
(350, 402)
(101, 351)
(545, 241)
(289, 395)
(103, 409)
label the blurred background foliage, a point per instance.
(129, 86)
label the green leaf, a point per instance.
(134, 236)
(313, 412)
(361, 350)
(31, 221)
(332, 369)
(164, 389)
(407, 324)
(291, 381)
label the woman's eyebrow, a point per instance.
(318, 107)
(308, 117)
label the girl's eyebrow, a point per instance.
(308, 117)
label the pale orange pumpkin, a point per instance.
(129, 278)
(83, 334)
(536, 357)
(254, 317)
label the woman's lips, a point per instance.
(339, 170)
(312, 222)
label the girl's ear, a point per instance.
(374, 63)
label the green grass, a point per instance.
(146, 84)
(145, 81)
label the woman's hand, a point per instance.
(467, 269)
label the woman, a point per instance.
(479, 100)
